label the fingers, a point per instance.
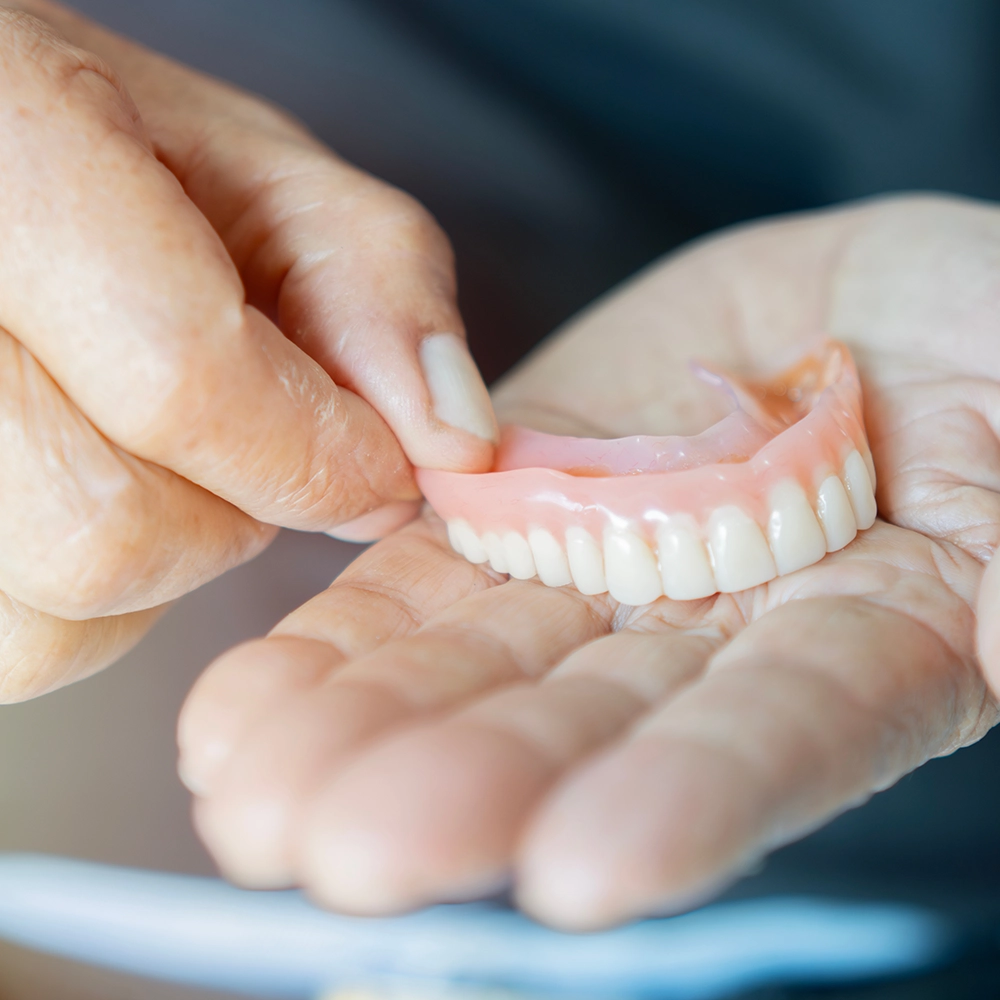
(115, 281)
(39, 653)
(250, 819)
(357, 273)
(436, 811)
(379, 523)
(805, 713)
(87, 530)
(385, 594)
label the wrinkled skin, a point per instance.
(209, 326)
(427, 730)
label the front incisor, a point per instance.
(632, 571)
(740, 555)
(684, 564)
(793, 530)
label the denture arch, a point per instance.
(772, 488)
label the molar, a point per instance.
(520, 562)
(586, 562)
(859, 489)
(793, 531)
(740, 555)
(550, 559)
(632, 573)
(684, 564)
(835, 514)
(494, 549)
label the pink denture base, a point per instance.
(800, 425)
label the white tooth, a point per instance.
(835, 514)
(870, 466)
(520, 563)
(550, 559)
(494, 547)
(586, 562)
(454, 538)
(859, 489)
(468, 542)
(740, 555)
(795, 535)
(684, 565)
(633, 576)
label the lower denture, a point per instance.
(768, 490)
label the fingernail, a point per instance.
(457, 389)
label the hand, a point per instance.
(426, 730)
(209, 325)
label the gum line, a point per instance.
(687, 560)
(780, 483)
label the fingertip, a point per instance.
(248, 859)
(378, 523)
(233, 691)
(419, 819)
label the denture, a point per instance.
(770, 489)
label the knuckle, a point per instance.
(27, 43)
(408, 217)
(33, 53)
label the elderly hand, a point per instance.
(426, 730)
(209, 325)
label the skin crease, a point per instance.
(209, 326)
(425, 730)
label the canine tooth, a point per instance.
(633, 576)
(835, 514)
(859, 489)
(740, 555)
(494, 548)
(468, 542)
(550, 559)
(793, 531)
(520, 563)
(586, 562)
(684, 566)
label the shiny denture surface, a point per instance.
(770, 489)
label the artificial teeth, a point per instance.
(586, 562)
(835, 514)
(859, 489)
(466, 542)
(684, 565)
(520, 562)
(493, 544)
(793, 531)
(632, 572)
(550, 559)
(740, 556)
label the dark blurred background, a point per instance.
(563, 144)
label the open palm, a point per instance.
(426, 729)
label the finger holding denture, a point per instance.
(770, 489)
